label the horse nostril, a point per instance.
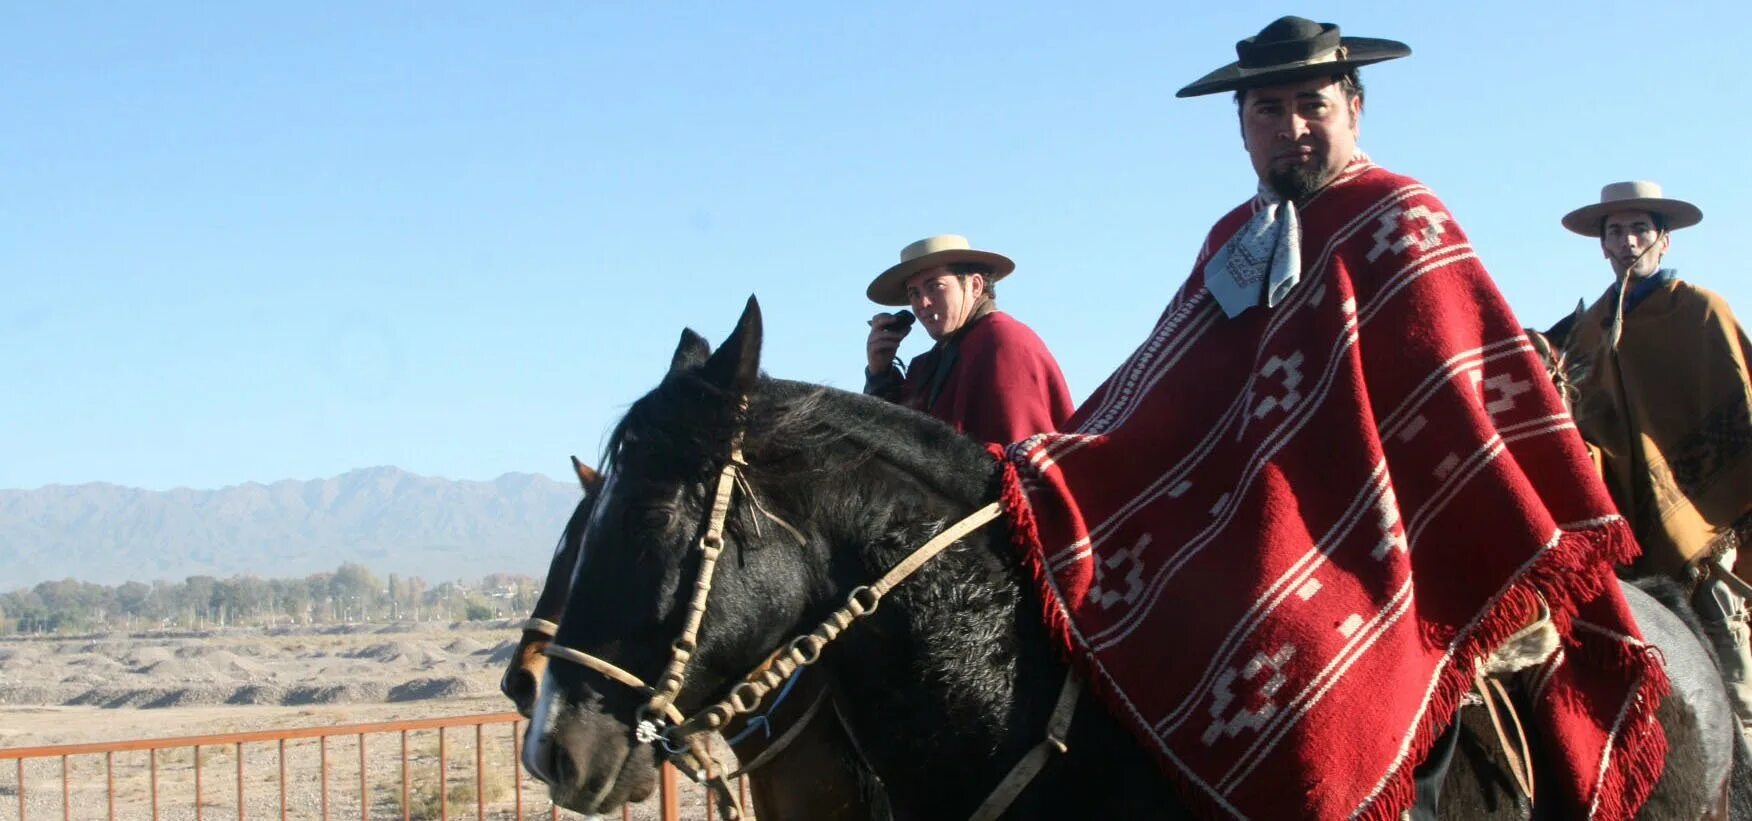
(519, 686)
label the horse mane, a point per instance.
(690, 421)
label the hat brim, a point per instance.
(889, 287)
(1586, 219)
(1359, 51)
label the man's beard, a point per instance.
(1296, 184)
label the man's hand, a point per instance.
(886, 332)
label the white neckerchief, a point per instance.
(1267, 249)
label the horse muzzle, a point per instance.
(587, 759)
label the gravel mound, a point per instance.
(89, 662)
(145, 657)
(502, 652)
(422, 689)
(269, 694)
(348, 693)
(30, 694)
(186, 697)
(114, 697)
(18, 659)
(399, 651)
(464, 646)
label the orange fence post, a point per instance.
(282, 779)
(322, 772)
(197, 782)
(517, 767)
(670, 797)
(443, 782)
(238, 749)
(406, 810)
(364, 791)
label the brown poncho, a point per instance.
(1671, 419)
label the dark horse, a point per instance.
(802, 767)
(946, 685)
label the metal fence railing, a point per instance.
(432, 768)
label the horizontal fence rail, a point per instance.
(430, 768)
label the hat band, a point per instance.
(1335, 55)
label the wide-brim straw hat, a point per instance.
(1636, 195)
(889, 287)
(1291, 49)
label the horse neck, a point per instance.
(950, 681)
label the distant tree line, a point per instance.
(351, 594)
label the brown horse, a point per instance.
(799, 761)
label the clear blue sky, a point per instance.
(242, 242)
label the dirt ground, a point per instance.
(119, 687)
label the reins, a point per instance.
(682, 737)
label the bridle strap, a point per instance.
(711, 544)
(542, 626)
(805, 650)
(1518, 751)
(606, 668)
(1058, 725)
(930, 549)
(784, 740)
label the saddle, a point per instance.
(1528, 649)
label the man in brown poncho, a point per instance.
(1664, 395)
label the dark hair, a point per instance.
(1659, 219)
(964, 269)
(1350, 82)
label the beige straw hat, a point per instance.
(1638, 195)
(889, 287)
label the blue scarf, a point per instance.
(1640, 289)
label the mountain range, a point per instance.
(385, 518)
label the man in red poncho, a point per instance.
(988, 375)
(1284, 538)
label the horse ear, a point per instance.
(736, 365)
(588, 478)
(1541, 345)
(690, 352)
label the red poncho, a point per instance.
(1278, 544)
(1002, 384)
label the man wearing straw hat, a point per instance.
(1663, 391)
(988, 375)
(1285, 537)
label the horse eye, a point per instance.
(657, 518)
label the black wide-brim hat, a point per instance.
(1291, 49)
